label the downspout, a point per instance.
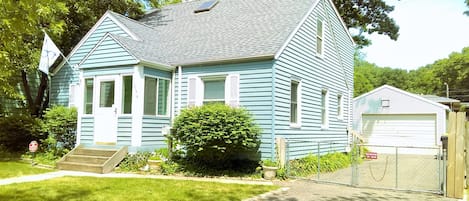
(179, 88)
(173, 85)
(272, 127)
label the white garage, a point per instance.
(388, 116)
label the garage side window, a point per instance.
(324, 111)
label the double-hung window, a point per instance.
(214, 91)
(156, 96)
(209, 89)
(88, 103)
(127, 95)
(295, 104)
(319, 37)
(340, 107)
(324, 111)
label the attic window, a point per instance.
(385, 103)
(206, 6)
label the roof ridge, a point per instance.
(131, 20)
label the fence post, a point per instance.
(466, 139)
(451, 155)
(397, 164)
(460, 132)
(281, 151)
(319, 160)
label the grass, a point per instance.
(16, 169)
(90, 188)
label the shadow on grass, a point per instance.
(32, 194)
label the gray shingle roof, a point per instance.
(440, 99)
(233, 29)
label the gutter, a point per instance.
(229, 60)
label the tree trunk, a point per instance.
(37, 105)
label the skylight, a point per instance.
(206, 6)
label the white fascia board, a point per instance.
(88, 34)
(293, 33)
(405, 93)
(157, 65)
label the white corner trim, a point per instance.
(88, 34)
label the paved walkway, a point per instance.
(61, 173)
(297, 190)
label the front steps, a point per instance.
(92, 159)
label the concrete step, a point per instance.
(97, 160)
(87, 159)
(83, 167)
(95, 152)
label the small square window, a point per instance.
(385, 103)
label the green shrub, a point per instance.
(269, 163)
(16, 131)
(60, 123)
(308, 165)
(133, 162)
(217, 135)
(169, 167)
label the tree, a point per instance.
(367, 16)
(21, 25)
(21, 36)
(467, 11)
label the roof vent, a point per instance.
(206, 6)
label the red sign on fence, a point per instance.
(371, 155)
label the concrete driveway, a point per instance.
(306, 190)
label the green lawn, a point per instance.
(90, 188)
(15, 169)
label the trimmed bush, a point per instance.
(217, 135)
(16, 131)
(60, 123)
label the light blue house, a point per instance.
(289, 62)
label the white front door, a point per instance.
(105, 118)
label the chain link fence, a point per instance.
(365, 165)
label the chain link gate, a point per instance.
(371, 166)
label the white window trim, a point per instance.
(200, 88)
(121, 112)
(83, 90)
(298, 102)
(323, 37)
(168, 107)
(326, 110)
(340, 105)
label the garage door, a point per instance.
(400, 129)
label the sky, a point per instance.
(429, 30)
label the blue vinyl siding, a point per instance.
(299, 61)
(152, 131)
(66, 75)
(117, 70)
(87, 130)
(157, 73)
(124, 130)
(255, 93)
(108, 53)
